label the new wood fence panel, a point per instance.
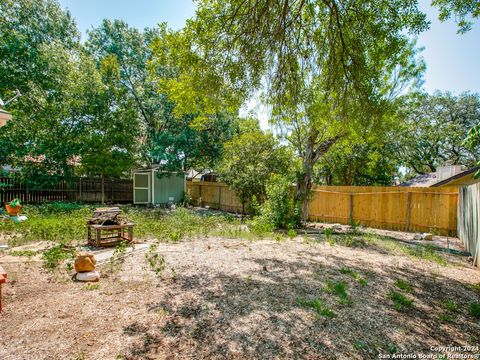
(395, 208)
(215, 195)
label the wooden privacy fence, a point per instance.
(215, 195)
(77, 189)
(395, 208)
(469, 220)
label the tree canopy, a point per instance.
(434, 128)
(464, 11)
(250, 158)
(324, 65)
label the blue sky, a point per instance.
(453, 61)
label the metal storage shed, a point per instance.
(149, 188)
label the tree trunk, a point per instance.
(313, 152)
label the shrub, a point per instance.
(280, 209)
(59, 207)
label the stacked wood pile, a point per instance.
(107, 227)
(108, 216)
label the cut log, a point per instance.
(107, 216)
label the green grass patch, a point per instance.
(360, 345)
(403, 285)
(354, 275)
(419, 252)
(27, 253)
(400, 301)
(449, 305)
(320, 308)
(446, 317)
(65, 223)
(351, 241)
(476, 287)
(91, 287)
(474, 309)
(338, 288)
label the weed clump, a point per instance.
(57, 255)
(403, 285)
(338, 288)
(474, 309)
(354, 275)
(320, 308)
(156, 261)
(400, 301)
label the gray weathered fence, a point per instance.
(77, 189)
(468, 221)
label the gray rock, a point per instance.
(337, 227)
(427, 236)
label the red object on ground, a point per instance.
(3, 279)
(13, 211)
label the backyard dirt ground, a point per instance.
(237, 299)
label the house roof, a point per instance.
(465, 177)
(423, 180)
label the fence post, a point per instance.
(80, 195)
(103, 190)
(409, 209)
(220, 198)
(351, 209)
(113, 191)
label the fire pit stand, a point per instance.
(108, 227)
(109, 235)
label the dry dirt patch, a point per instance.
(223, 298)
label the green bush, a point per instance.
(280, 209)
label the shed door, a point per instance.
(141, 188)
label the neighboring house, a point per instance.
(451, 175)
(206, 175)
(209, 177)
(4, 117)
(463, 178)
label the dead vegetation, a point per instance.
(214, 297)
